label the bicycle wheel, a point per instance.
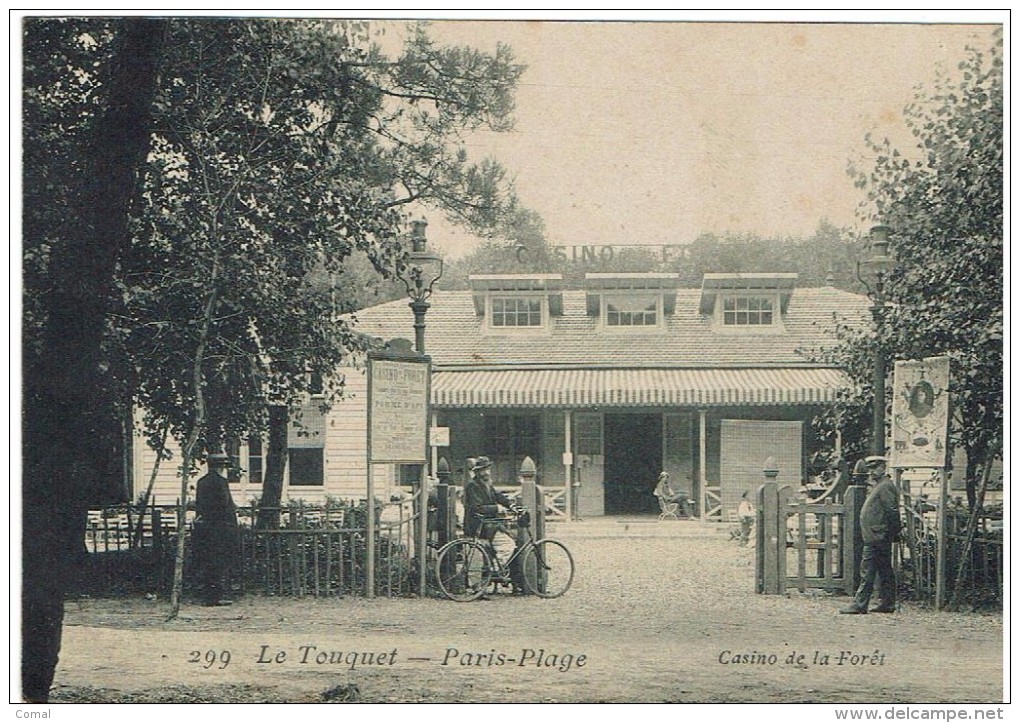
(548, 569)
(463, 570)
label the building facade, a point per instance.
(603, 385)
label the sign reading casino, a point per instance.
(591, 253)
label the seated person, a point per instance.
(481, 499)
(664, 491)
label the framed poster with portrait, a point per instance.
(920, 413)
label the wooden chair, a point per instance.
(668, 509)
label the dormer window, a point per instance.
(517, 303)
(515, 311)
(746, 310)
(634, 311)
(630, 300)
(749, 303)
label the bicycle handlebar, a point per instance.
(518, 514)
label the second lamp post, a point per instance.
(424, 269)
(878, 267)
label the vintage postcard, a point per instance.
(506, 359)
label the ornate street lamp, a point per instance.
(876, 269)
(420, 275)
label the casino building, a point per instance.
(602, 382)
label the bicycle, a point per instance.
(466, 566)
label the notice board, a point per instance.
(398, 409)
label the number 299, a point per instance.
(209, 658)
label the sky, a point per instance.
(660, 128)
(656, 132)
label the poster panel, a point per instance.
(920, 413)
(398, 411)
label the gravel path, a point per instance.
(656, 620)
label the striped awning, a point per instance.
(571, 388)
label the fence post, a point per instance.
(421, 529)
(533, 501)
(768, 564)
(940, 550)
(539, 517)
(532, 497)
(759, 540)
(446, 507)
(157, 547)
(853, 541)
(771, 543)
(784, 495)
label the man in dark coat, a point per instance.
(216, 531)
(880, 527)
(482, 499)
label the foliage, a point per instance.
(826, 257)
(64, 91)
(87, 95)
(284, 155)
(280, 149)
(517, 245)
(944, 203)
(522, 246)
(850, 416)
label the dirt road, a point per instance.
(651, 620)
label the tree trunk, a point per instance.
(198, 425)
(276, 462)
(152, 481)
(69, 418)
(972, 475)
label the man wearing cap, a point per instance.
(880, 527)
(216, 531)
(481, 500)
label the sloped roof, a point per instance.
(454, 337)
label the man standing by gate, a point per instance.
(880, 527)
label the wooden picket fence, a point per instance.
(982, 584)
(806, 545)
(126, 550)
(120, 528)
(320, 553)
(318, 550)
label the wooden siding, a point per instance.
(344, 464)
(347, 443)
(552, 473)
(746, 444)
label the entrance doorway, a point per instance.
(633, 445)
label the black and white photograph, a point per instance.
(506, 358)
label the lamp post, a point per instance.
(423, 270)
(878, 267)
(420, 275)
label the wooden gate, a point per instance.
(805, 545)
